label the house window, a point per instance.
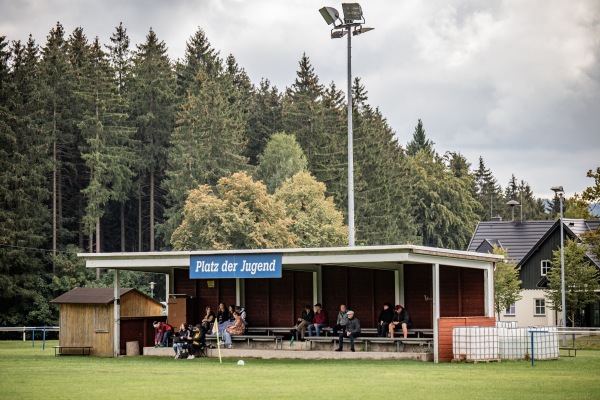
(510, 310)
(545, 267)
(101, 318)
(540, 307)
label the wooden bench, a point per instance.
(81, 350)
(368, 341)
(251, 338)
(569, 350)
(419, 333)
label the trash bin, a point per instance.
(132, 348)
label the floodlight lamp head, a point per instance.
(330, 15)
(361, 30)
(352, 12)
(558, 190)
(338, 34)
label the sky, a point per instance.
(516, 82)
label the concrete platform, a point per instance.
(298, 351)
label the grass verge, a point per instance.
(29, 372)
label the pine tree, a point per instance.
(206, 146)
(443, 206)
(199, 55)
(488, 193)
(382, 209)
(108, 150)
(264, 119)
(120, 60)
(152, 98)
(57, 86)
(24, 214)
(419, 142)
(302, 111)
(331, 152)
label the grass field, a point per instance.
(28, 373)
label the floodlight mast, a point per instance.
(559, 191)
(351, 26)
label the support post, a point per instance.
(436, 311)
(562, 272)
(117, 316)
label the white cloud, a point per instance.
(515, 81)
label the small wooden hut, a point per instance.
(86, 318)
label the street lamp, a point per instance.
(152, 284)
(351, 25)
(512, 204)
(558, 191)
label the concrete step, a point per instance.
(242, 352)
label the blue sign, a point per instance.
(235, 266)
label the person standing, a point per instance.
(352, 331)
(384, 320)
(303, 322)
(401, 320)
(320, 320)
(342, 320)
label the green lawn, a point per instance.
(27, 373)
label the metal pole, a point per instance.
(117, 316)
(562, 271)
(350, 147)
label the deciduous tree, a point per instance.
(581, 280)
(507, 285)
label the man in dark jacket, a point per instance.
(401, 320)
(352, 331)
(319, 321)
(303, 322)
(385, 319)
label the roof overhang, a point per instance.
(380, 257)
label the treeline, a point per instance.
(101, 143)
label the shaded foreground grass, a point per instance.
(29, 372)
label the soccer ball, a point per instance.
(241, 362)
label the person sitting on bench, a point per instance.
(385, 319)
(208, 320)
(401, 320)
(180, 340)
(351, 331)
(303, 322)
(319, 321)
(238, 328)
(342, 320)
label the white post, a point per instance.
(562, 271)
(436, 311)
(117, 315)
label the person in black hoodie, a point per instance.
(401, 320)
(384, 320)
